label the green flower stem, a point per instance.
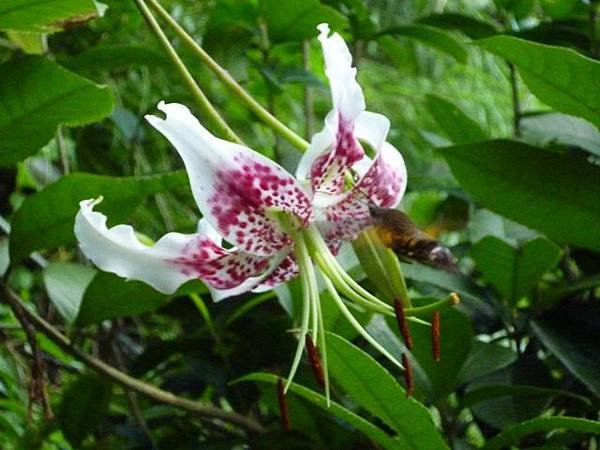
(322, 347)
(201, 100)
(357, 326)
(121, 378)
(305, 267)
(264, 115)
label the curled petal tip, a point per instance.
(323, 28)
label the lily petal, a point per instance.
(346, 94)
(234, 187)
(173, 260)
(285, 271)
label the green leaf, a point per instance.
(4, 256)
(44, 16)
(66, 284)
(45, 220)
(540, 424)
(574, 346)
(514, 271)
(557, 194)
(485, 358)
(562, 129)
(84, 404)
(37, 95)
(290, 20)
(115, 57)
(560, 77)
(371, 431)
(432, 37)
(459, 127)
(376, 390)
(472, 27)
(456, 340)
(109, 297)
(472, 397)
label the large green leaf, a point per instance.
(66, 283)
(37, 95)
(459, 127)
(84, 404)
(432, 37)
(45, 220)
(43, 16)
(373, 432)
(560, 77)
(562, 129)
(514, 271)
(485, 358)
(109, 296)
(376, 390)
(456, 340)
(557, 194)
(290, 20)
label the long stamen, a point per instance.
(323, 348)
(304, 266)
(357, 326)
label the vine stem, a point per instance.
(121, 378)
(269, 119)
(199, 97)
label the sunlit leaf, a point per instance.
(44, 16)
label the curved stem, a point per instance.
(203, 103)
(304, 266)
(122, 378)
(229, 81)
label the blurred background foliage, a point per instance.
(495, 106)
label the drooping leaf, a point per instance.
(44, 16)
(290, 20)
(515, 271)
(432, 37)
(66, 284)
(560, 77)
(45, 220)
(84, 404)
(375, 389)
(37, 95)
(459, 127)
(562, 129)
(557, 194)
(574, 343)
(109, 297)
(472, 27)
(373, 432)
(541, 424)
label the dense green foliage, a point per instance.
(495, 106)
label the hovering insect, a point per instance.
(398, 232)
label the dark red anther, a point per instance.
(283, 407)
(315, 361)
(402, 324)
(435, 336)
(408, 375)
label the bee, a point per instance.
(398, 232)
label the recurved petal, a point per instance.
(285, 271)
(234, 186)
(173, 260)
(346, 94)
(382, 183)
